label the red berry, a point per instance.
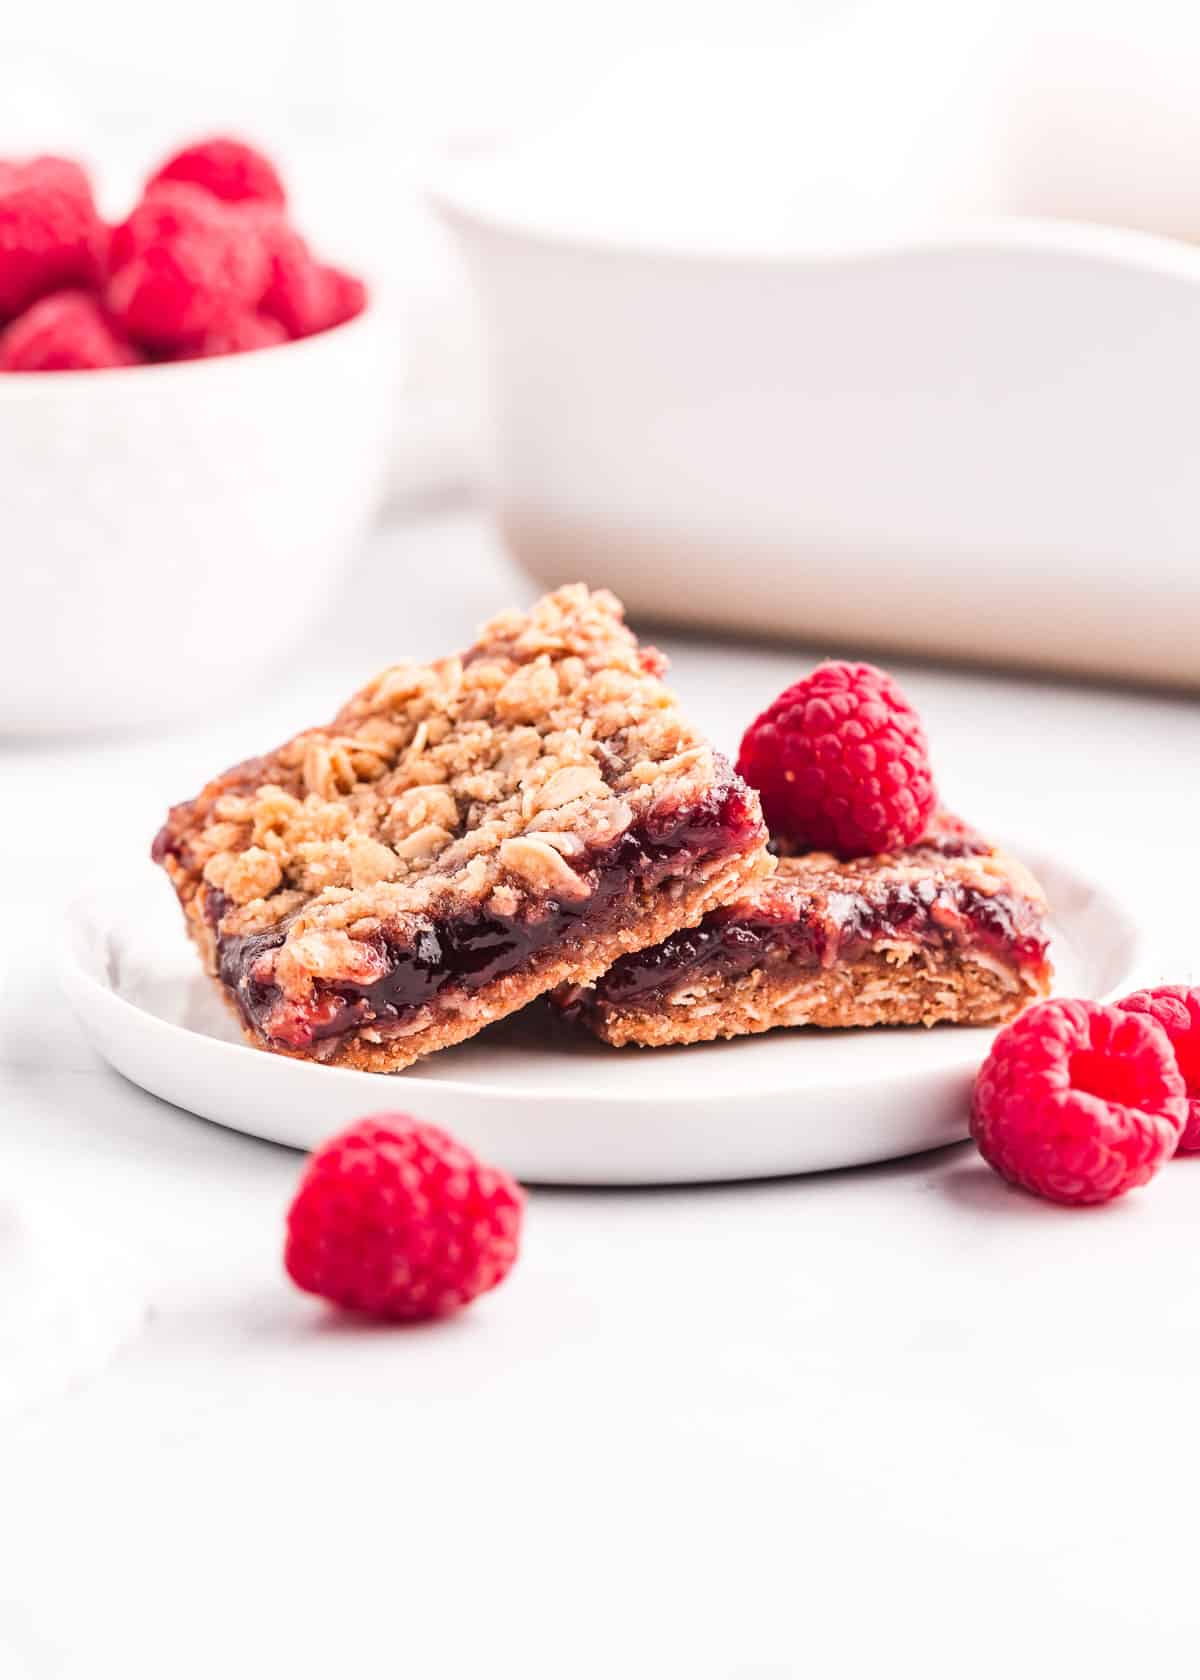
(395, 1218)
(228, 169)
(304, 295)
(295, 290)
(841, 762)
(63, 331)
(245, 331)
(1177, 1011)
(347, 296)
(180, 265)
(1079, 1102)
(50, 233)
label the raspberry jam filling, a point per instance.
(471, 950)
(810, 931)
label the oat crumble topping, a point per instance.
(490, 781)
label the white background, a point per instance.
(886, 1422)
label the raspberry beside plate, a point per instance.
(1079, 1102)
(396, 1218)
(1177, 1011)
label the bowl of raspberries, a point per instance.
(194, 426)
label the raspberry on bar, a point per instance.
(947, 930)
(841, 763)
(463, 837)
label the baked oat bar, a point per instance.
(463, 836)
(946, 930)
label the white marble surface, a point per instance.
(887, 1421)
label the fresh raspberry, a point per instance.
(395, 1218)
(50, 232)
(228, 169)
(306, 296)
(347, 296)
(841, 762)
(1177, 1011)
(180, 265)
(246, 331)
(64, 331)
(1079, 1102)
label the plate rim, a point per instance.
(86, 994)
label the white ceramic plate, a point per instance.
(551, 1107)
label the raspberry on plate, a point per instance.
(1177, 1011)
(181, 264)
(50, 232)
(395, 1218)
(1079, 1102)
(62, 332)
(228, 169)
(841, 762)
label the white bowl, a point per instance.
(168, 530)
(979, 443)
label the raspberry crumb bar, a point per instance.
(463, 836)
(947, 930)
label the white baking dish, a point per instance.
(981, 443)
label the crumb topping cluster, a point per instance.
(489, 779)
